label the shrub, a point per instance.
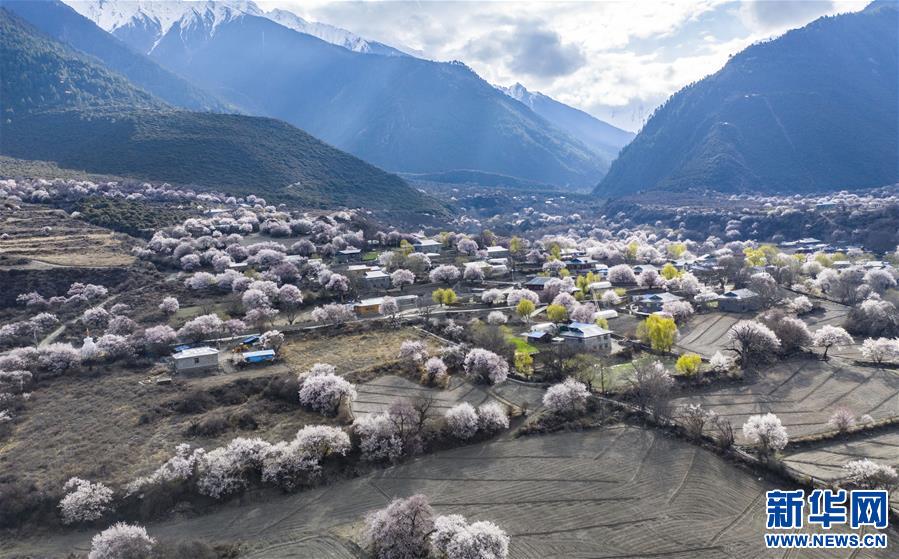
(688, 364)
(842, 419)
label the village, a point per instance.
(252, 328)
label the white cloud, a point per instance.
(617, 60)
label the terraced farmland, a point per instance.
(376, 396)
(826, 460)
(707, 333)
(618, 492)
(804, 393)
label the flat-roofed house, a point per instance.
(349, 254)
(497, 252)
(377, 279)
(427, 246)
(196, 359)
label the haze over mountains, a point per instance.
(398, 112)
(813, 110)
(62, 105)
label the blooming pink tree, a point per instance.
(272, 339)
(492, 418)
(95, 318)
(650, 278)
(290, 299)
(679, 310)
(497, 318)
(467, 246)
(323, 391)
(568, 398)
(867, 474)
(880, 350)
(454, 537)
(122, 541)
(583, 313)
(485, 366)
(57, 358)
(445, 273)
(462, 421)
(169, 305)
(200, 327)
(622, 274)
(332, 313)
(389, 308)
(515, 297)
(401, 278)
(473, 274)
(434, 371)
(401, 530)
(84, 501)
(767, 433)
(379, 438)
(828, 336)
(413, 351)
(753, 342)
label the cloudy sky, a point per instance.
(617, 60)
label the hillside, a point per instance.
(40, 75)
(398, 112)
(61, 106)
(64, 24)
(813, 110)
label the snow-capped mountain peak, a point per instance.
(145, 22)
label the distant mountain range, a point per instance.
(60, 104)
(64, 24)
(814, 110)
(142, 23)
(605, 139)
(399, 112)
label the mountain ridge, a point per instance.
(62, 106)
(812, 110)
(401, 113)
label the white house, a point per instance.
(196, 359)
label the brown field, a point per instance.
(350, 352)
(804, 394)
(376, 396)
(615, 492)
(70, 242)
(69, 422)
